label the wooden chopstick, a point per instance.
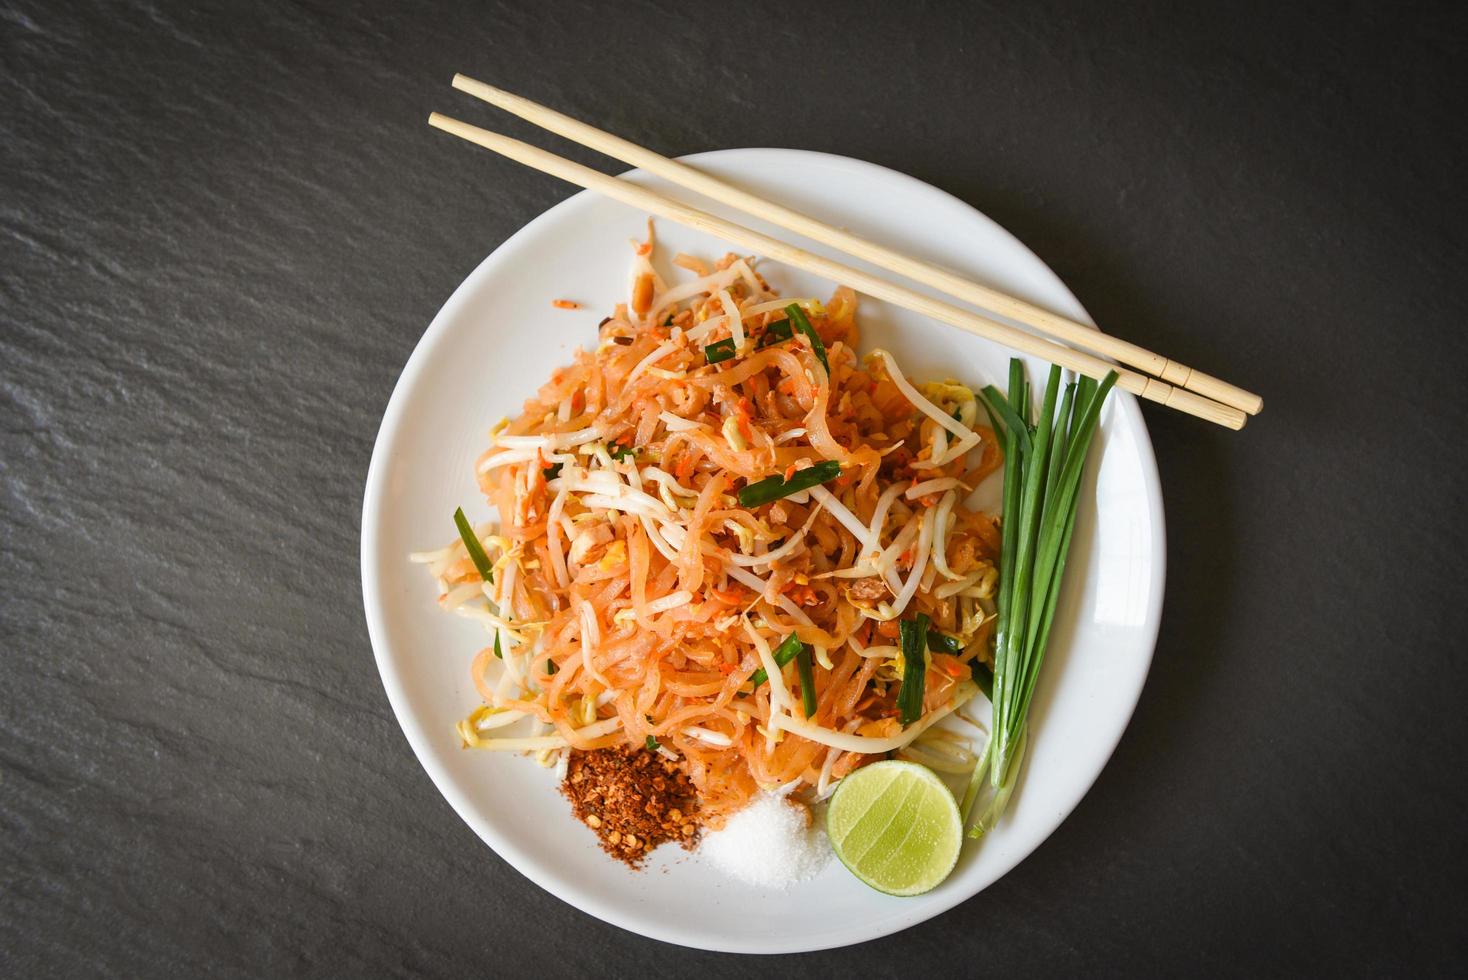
(1045, 322)
(760, 244)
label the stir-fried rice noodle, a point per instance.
(634, 596)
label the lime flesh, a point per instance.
(896, 827)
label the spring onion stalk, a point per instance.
(471, 544)
(775, 333)
(783, 654)
(719, 350)
(943, 643)
(807, 681)
(479, 558)
(801, 323)
(775, 487)
(984, 678)
(1044, 459)
(914, 639)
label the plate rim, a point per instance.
(414, 730)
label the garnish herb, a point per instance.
(471, 544)
(479, 558)
(984, 677)
(650, 743)
(620, 452)
(801, 323)
(1043, 465)
(943, 643)
(914, 639)
(783, 654)
(723, 350)
(776, 333)
(719, 350)
(553, 470)
(775, 487)
(807, 681)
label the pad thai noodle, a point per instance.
(726, 537)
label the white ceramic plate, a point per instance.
(498, 338)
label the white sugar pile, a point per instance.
(771, 843)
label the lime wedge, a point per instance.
(896, 827)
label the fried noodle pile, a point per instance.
(633, 595)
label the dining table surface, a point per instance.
(226, 226)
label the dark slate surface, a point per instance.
(225, 229)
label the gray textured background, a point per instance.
(226, 226)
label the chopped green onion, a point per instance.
(479, 558)
(775, 487)
(651, 744)
(471, 544)
(553, 470)
(720, 350)
(914, 638)
(620, 452)
(783, 654)
(807, 680)
(776, 333)
(943, 643)
(801, 323)
(984, 677)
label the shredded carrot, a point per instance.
(565, 304)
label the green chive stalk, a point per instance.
(1044, 460)
(481, 560)
(787, 651)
